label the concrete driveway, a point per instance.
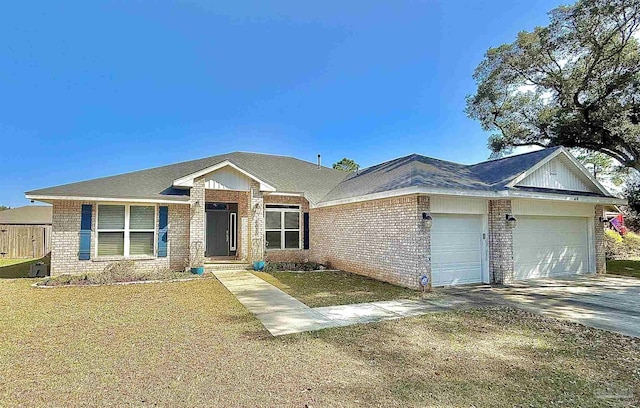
(606, 302)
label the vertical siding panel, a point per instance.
(564, 179)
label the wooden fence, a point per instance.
(25, 241)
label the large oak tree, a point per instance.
(575, 83)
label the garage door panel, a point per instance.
(550, 246)
(456, 249)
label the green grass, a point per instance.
(624, 268)
(193, 344)
(329, 288)
(18, 268)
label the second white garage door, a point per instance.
(550, 246)
(456, 249)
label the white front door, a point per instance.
(456, 249)
(550, 246)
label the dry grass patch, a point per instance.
(330, 288)
(193, 344)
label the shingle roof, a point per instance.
(286, 174)
(30, 214)
(421, 171)
(500, 172)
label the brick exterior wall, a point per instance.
(242, 198)
(65, 241)
(383, 239)
(601, 259)
(198, 224)
(288, 255)
(256, 223)
(500, 242)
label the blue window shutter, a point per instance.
(306, 230)
(85, 233)
(163, 230)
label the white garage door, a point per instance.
(456, 249)
(550, 246)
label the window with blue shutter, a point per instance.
(85, 233)
(306, 231)
(163, 230)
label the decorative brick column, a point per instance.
(197, 222)
(598, 235)
(423, 239)
(256, 218)
(500, 242)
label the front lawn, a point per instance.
(330, 288)
(18, 268)
(193, 344)
(624, 268)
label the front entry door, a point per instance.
(217, 233)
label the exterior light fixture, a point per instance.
(604, 220)
(427, 219)
(196, 205)
(511, 220)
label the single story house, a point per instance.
(25, 232)
(532, 215)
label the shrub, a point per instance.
(614, 245)
(632, 245)
(293, 266)
(621, 247)
(121, 271)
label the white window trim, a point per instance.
(233, 231)
(282, 229)
(127, 230)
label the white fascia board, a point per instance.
(187, 181)
(48, 199)
(505, 194)
(565, 197)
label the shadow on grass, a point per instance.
(21, 269)
(453, 358)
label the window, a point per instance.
(282, 226)
(125, 230)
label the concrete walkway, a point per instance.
(281, 313)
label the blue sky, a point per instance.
(90, 89)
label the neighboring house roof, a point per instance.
(30, 214)
(324, 186)
(286, 174)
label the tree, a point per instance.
(4, 207)
(347, 165)
(603, 167)
(574, 83)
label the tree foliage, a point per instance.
(575, 83)
(4, 207)
(603, 167)
(347, 165)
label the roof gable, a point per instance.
(226, 167)
(555, 174)
(560, 172)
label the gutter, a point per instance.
(504, 194)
